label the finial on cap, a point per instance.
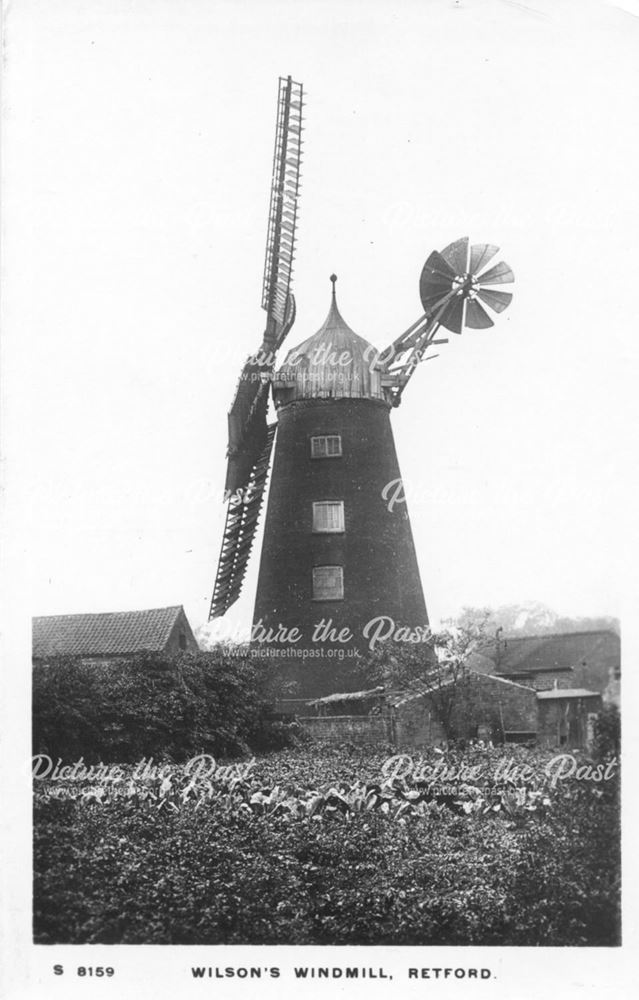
(333, 279)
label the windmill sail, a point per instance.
(250, 439)
(247, 426)
(239, 532)
(280, 240)
(247, 416)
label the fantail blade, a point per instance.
(496, 300)
(476, 316)
(500, 274)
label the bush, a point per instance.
(152, 705)
(607, 735)
(258, 860)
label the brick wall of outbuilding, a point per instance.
(347, 728)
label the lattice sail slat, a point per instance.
(242, 519)
(280, 240)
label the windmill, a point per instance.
(338, 567)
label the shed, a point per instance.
(565, 717)
(486, 706)
(113, 635)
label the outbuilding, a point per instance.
(566, 716)
(112, 635)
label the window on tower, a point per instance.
(328, 583)
(328, 516)
(326, 446)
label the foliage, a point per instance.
(315, 846)
(152, 705)
(173, 787)
(534, 618)
(452, 691)
(442, 668)
(607, 735)
(393, 665)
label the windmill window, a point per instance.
(328, 583)
(328, 516)
(326, 446)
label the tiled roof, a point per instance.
(562, 651)
(568, 693)
(109, 634)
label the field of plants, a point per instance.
(323, 845)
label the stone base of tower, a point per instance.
(306, 634)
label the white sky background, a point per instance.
(137, 172)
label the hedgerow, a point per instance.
(152, 705)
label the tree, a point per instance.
(452, 690)
(440, 668)
(395, 665)
(534, 618)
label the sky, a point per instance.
(138, 146)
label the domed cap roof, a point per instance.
(334, 363)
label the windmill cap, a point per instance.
(335, 362)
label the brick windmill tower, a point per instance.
(338, 566)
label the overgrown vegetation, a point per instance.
(152, 705)
(317, 846)
(310, 845)
(607, 735)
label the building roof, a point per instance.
(330, 699)
(116, 633)
(397, 698)
(334, 363)
(567, 693)
(542, 653)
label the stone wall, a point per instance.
(347, 728)
(414, 723)
(181, 639)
